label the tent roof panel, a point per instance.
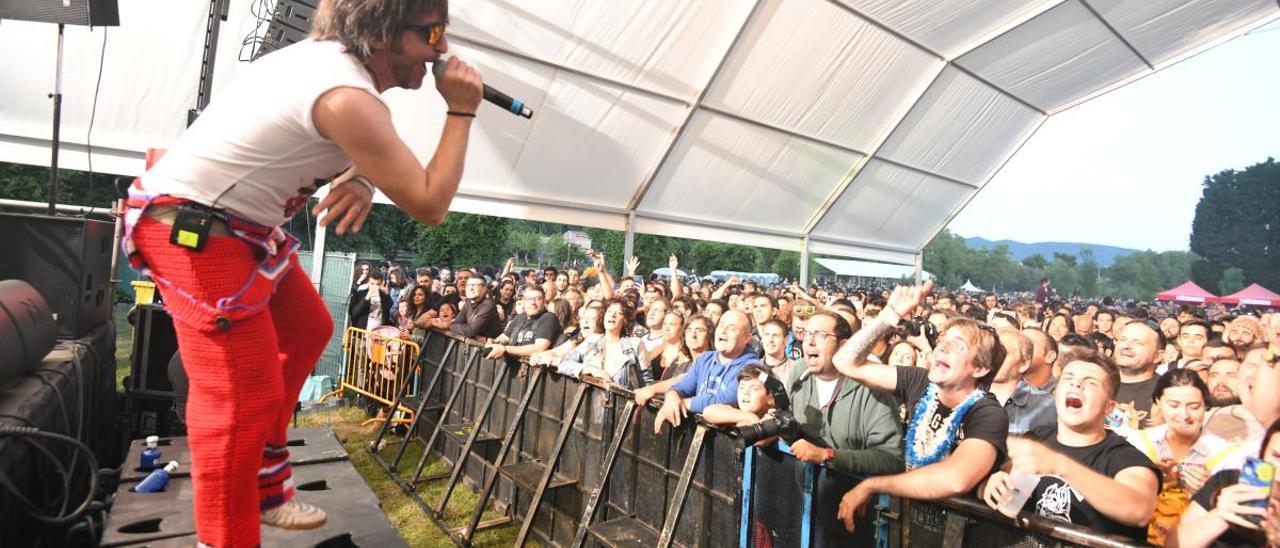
(958, 128)
(727, 170)
(891, 204)
(1060, 56)
(671, 47)
(948, 27)
(843, 79)
(1162, 30)
(868, 269)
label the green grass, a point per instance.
(124, 343)
(413, 525)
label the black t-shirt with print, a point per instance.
(1054, 498)
(522, 330)
(1133, 403)
(986, 420)
(1207, 498)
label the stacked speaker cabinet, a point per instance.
(67, 260)
(91, 13)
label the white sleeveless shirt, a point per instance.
(255, 149)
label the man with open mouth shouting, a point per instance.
(1081, 472)
(956, 430)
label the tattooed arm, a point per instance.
(851, 359)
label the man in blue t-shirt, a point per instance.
(713, 377)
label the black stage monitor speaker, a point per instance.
(289, 25)
(87, 13)
(68, 260)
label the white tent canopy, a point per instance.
(968, 287)
(866, 269)
(844, 127)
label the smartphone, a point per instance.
(1258, 473)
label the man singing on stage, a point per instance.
(205, 221)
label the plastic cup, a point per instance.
(1022, 485)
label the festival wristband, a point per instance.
(460, 113)
(360, 178)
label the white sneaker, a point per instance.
(294, 515)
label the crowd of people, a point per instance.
(1144, 420)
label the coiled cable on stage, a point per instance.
(35, 436)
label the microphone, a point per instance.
(504, 101)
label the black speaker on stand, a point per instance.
(67, 260)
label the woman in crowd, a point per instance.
(1060, 325)
(698, 331)
(397, 283)
(650, 334)
(568, 321)
(903, 354)
(1186, 453)
(573, 296)
(1222, 513)
(610, 355)
(1171, 328)
(506, 299)
(448, 309)
(672, 352)
(418, 314)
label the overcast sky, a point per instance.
(1126, 168)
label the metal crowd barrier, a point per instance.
(574, 462)
(380, 367)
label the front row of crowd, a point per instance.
(924, 398)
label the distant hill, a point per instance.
(1104, 254)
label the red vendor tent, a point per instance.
(1254, 295)
(1188, 292)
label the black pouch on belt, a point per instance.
(191, 227)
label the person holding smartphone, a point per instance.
(1226, 512)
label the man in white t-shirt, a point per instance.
(205, 221)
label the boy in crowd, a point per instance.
(957, 430)
(1088, 475)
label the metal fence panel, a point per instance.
(335, 287)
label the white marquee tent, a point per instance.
(846, 127)
(870, 270)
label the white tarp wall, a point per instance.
(844, 127)
(867, 269)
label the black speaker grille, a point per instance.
(67, 260)
(98, 13)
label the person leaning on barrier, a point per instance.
(857, 427)
(1088, 475)
(529, 332)
(478, 316)
(760, 395)
(956, 434)
(712, 378)
(611, 355)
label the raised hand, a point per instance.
(632, 264)
(904, 299)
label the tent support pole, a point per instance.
(317, 257)
(629, 241)
(919, 268)
(804, 262)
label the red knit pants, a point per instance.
(244, 380)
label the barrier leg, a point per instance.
(550, 470)
(476, 428)
(682, 488)
(397, 404)
(435, 432)
(611, 457)
(507, 441)
(425, 403)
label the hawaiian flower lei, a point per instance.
(926, 407)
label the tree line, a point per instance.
(1234, 241)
